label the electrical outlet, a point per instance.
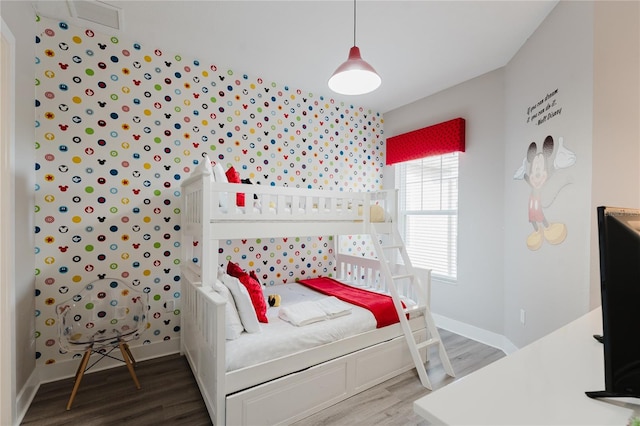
(523, 316)
(169, 305)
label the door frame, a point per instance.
(8, 414)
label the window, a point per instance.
(428, 213)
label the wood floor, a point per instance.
(170, 396)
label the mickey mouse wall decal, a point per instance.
(536, 169)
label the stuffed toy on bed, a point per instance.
(248, 182)
(273, 300)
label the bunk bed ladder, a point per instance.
(387, 254)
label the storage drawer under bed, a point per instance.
(296, 396)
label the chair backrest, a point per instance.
(104, 312)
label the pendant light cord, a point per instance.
(354, 22)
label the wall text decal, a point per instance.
(544, 109)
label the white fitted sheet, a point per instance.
(279, 338)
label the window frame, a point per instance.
(451, 242)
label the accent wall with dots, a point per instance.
(119, 125)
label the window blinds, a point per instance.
(429, 212)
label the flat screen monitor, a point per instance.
(619, 243)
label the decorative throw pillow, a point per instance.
(220, 176)
(253, 275)
(234, 177)
(233, 324)
(253, 287)
(235, 270)
(218, 173)
(243, 302)
(257, 297)
(218, 286)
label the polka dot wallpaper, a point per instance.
(119, 125)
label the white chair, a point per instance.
(104, 316)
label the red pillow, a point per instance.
(253, 275)
(253, 287)
(235, 270)
(234, 177)
(257, 297)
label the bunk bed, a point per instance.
(294, 385)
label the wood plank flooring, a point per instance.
(170, 396)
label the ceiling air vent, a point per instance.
(97, 12)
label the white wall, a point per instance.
(550, 284)
(20, 19)
(477, 297)
(589, 52)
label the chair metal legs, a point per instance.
(127, 358)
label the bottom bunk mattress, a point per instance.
(279, 337)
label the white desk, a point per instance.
(543, 383)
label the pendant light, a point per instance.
(355, 76)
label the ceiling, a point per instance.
(418, 47)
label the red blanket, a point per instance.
(379, 304)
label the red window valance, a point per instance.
(438, 139)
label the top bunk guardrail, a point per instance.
(207, 200)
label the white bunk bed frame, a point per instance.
(292, 387)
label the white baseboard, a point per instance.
(66, 369)
(489, 338)
(26, 395)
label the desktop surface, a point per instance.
(543, 383)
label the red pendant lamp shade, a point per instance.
(355, 76)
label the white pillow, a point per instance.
(204, 166)
(233, 325)
(217, 285)
(220, 176)
(243, 302)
